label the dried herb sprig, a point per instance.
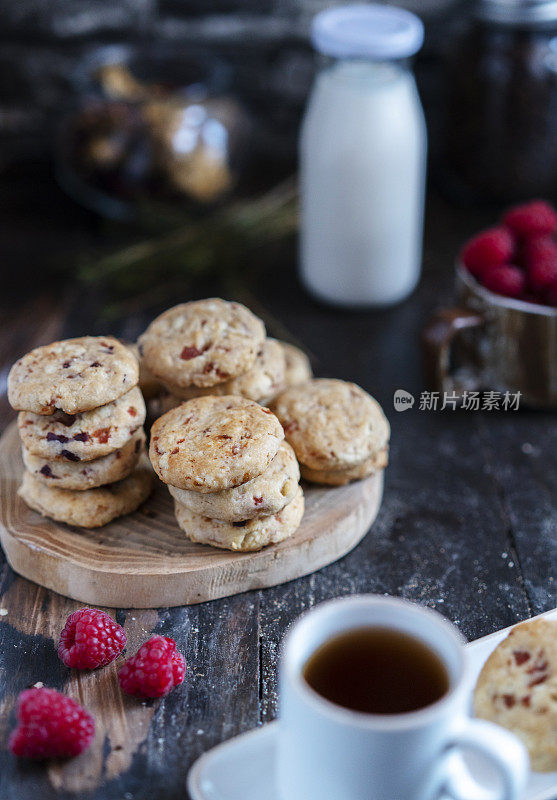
(219, 244)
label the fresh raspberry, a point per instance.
(507, 280)
(491, 248)
(50, 725)
(90, 639)
(537, 218)
(540, 256)
(154, 670)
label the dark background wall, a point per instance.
(42, 42)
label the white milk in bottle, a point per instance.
(362, 159)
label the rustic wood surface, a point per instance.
(143, 560)
(468, 523)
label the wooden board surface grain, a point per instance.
(143, 560)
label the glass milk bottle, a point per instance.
(362, 159)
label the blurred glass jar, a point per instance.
(151, 125)
(501, 124)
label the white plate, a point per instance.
(242, 768)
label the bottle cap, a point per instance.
(375, 32)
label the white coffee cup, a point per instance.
(327, 752)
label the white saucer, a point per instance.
(243, 767)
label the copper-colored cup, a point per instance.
(502, 344)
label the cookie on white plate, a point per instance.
(517, 688)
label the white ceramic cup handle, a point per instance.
(505, 753)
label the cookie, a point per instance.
(261, 497)
(74, 375)
(340, 477)
(517, 689)
(213, 443)
(332, 424)
(201, 343)
(91, 508)
(298, 368)
(89, 474)
(149, 385)
(244, 536)
(86, 436)
(261, 383)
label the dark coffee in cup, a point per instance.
(377, 670)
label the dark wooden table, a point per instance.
(468, 524)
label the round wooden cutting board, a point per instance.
(144, 560)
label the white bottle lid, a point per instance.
(376, 32)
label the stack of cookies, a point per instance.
(213, 347)
(233, 477)
(339, 432)
(81, 427)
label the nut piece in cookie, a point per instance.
(91, 508)
(80, 475)
(261, 383)
(213, 443)
(332, 424)
(73, 375)
(517, 689)
(201, 343)
(83, 437)
(263, 496)
(244, 536)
